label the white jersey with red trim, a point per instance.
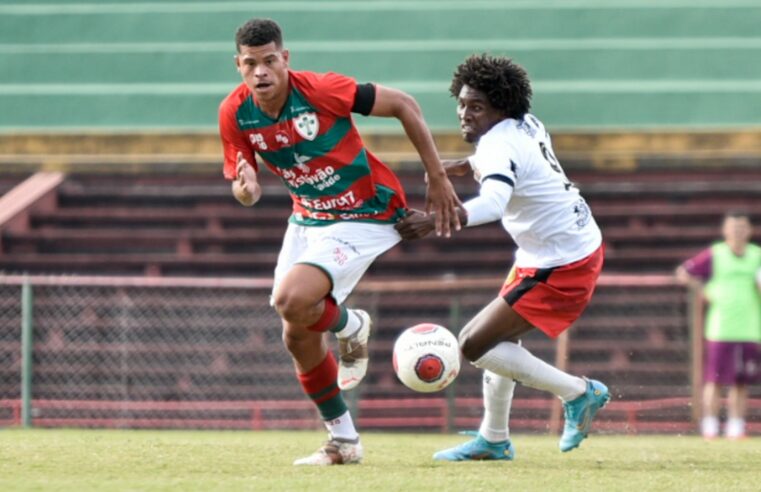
(545, 215)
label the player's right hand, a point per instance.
(246, 185)
(442, 202)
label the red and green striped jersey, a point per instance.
(316, 150)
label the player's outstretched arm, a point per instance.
(246, 188)
(440, 195)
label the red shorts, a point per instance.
(551, 299)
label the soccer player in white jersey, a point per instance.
(558, 261)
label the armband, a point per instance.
(364, 99)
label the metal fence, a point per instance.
(205, 353)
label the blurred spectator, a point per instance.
(730, 273)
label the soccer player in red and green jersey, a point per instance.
(345, 205)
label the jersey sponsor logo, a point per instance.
(300, 161)
(247, 122)
(257, 141)
(282, 138)
(354, 216)
(307, 125)
(326, 216)
(344, 201)
(319, 179)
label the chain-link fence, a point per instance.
(139, 352)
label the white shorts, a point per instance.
(344, 251)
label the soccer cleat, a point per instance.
(580, 412)
(353, 353)
(478, 449)
(334, 452)
(735, 429)
(709, 428)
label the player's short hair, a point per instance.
(258, 32)
(505, 83)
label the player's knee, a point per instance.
(291, 306)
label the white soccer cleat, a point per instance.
(334, 452)
(735, 429)
(709, 428)
(354, 353)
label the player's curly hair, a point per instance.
(504, 82)
(258, 32)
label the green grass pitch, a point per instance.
(110, 460)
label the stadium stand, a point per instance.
(190, 225)
(9, 181)
(141, 65)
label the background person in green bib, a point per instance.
(731, 273)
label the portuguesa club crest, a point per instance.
(307, 125)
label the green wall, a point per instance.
(133, 66)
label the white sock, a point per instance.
(735, 428)
(353, 322)
(513, 361)
(709, 426)
(498, 396)
(342, 427)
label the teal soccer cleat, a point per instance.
(580, 412)
(476, 450)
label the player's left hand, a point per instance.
(415, 225)
(442, 200)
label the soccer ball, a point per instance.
(426, 357)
